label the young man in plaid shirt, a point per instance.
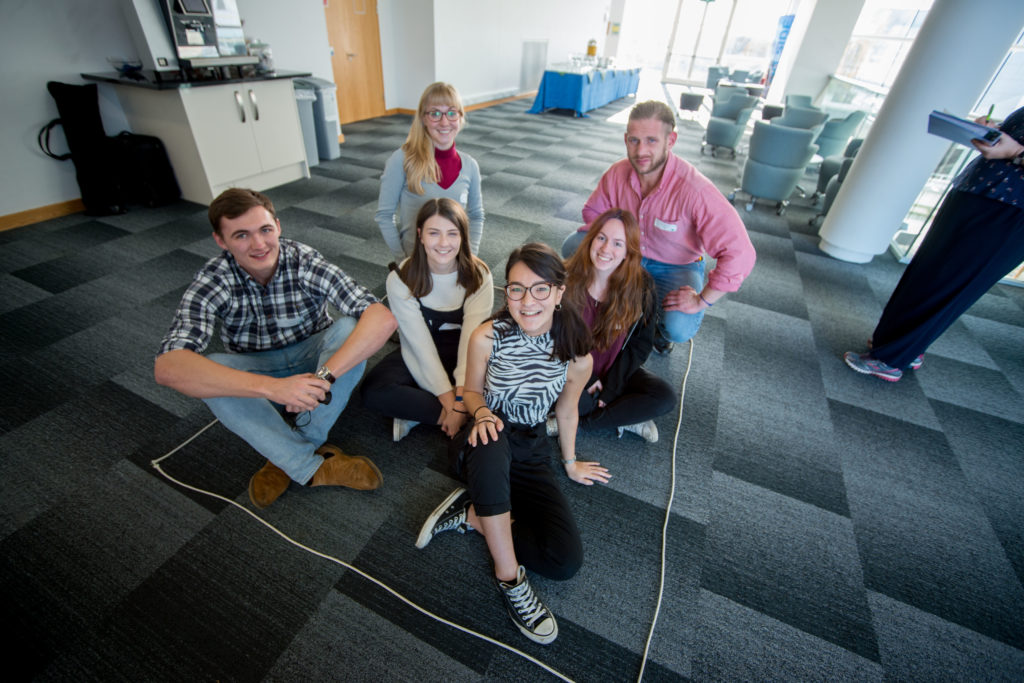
(270, 296)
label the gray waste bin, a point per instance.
(325, 116)
(305, 98)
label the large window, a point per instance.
(739, 34)
(881, 39)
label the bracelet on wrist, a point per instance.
(569, 461)
(705, 300)
(478, 410)
(458, 399)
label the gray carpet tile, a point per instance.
(826, 525)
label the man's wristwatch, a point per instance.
(325, 373)
(1018, 160)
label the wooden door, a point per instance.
(355, 38)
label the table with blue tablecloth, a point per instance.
(582, 92)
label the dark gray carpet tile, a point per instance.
(153, 279)
(54, 318)
(770, 394)
(29, 389)
(970, 386)
(995, 306)
(536, 204)
(923, 536)
(918, 646)
(245, 603)
(138, 218)
(905, 400)
(502, 234)
(736, 643)
(138, 379)
(572, 211)
(1002, 343)
(298, 191)
(958, 343)
(344, 170)
(70, 270)
(808, 244)
(80, 236)
(158, 240)
(460, 587)
(492, 163)
(622, 537)
(988, 450)
(774, 284)
(26, 252)
(65, 571)
(794, 562)
(15, 293)
(85, 433)
(374, 650)
(500, 186)
(42, 227)
(832, 287)
(338, 202)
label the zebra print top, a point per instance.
(523, 380)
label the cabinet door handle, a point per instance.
(241, 107)
(255, 108)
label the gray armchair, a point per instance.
(799, 101)
(837, 132)
(715, 74)
(727, 123)
(832, 190)
(777, 159)
(808, 118)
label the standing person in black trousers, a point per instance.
(977, 237)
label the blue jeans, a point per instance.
(258, 421)
(673, 325)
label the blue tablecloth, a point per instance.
(583, 92)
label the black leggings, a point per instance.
(645, 396)
(513, 474)
(389, 388)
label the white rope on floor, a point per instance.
(422, 610)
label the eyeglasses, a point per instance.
(435, 115)
(539, 291)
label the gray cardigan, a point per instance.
(397, 206)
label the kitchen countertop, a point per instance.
(172, 81)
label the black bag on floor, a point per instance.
(111, 172)
(89, 148)
(147, 176)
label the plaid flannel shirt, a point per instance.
(290, 308)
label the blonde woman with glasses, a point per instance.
(427, 166)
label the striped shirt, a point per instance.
(523, 381)
(254, 317)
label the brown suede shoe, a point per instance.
(353, 471)
(267, 485)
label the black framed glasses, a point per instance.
(435, 114)
(539, 290)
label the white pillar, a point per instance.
(956, 52)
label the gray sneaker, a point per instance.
(527, 612)
(648, 431)
(866, 365)
(450, 515)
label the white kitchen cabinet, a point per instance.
(240, 134)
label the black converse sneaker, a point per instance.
(527, 612)
(450, 515)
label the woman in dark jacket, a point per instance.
(616, 296)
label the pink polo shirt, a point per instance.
(682, 219)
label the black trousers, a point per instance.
(972, 244)
(389, 388)
(645, 396)
(514, 474)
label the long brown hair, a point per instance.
(415, 272)
(568, 331)
(420, 166)
(627, 293)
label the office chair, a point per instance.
(776, 161)
(727, 123)
(837, 132)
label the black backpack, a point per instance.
(111, 172)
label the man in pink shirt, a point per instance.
(682, 216)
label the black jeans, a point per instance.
(645, 396)
(514, 474)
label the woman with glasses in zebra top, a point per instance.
(533, 354)
(426, 167)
